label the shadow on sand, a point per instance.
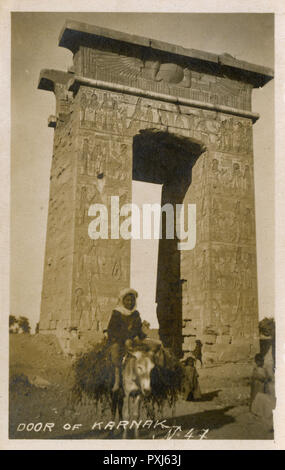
(209, 396)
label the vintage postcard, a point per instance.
(144, 284)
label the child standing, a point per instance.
(259, 380)
(190, 384)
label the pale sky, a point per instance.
(248, 37)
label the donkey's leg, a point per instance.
(160, 409)
(114, 403)
(173, 409)
(128, 402)
(137, 412)
(120, 404)
(150, 409)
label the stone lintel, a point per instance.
(75, 82)
(181, 144)
(75, 34)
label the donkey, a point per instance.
(136, 384)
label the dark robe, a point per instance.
(122, 327)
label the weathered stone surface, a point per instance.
(233, 353)
(134, 108)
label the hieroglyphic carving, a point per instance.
(224, 269)
(97, 264)
(105, 160)
(231, 176)
(94, 157)
(231, 221)
(126, 116)
(104, 170)
(236, 311)
(235, 136)
(87, 196)
(118, 161)
(233, 268)
(206, 127)
(101, 111)
(64, 101)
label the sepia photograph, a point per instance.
(142, 227)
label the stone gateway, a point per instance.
(133, 108)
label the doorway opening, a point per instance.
(144, 255)
(162, 165)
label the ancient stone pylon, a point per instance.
(136, 108)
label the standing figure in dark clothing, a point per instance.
(190, 384)
(125, 326)
(259, 378)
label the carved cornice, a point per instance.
(50, 77)
(152, 54)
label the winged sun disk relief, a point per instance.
(135, 68)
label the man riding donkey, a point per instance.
(125, 331)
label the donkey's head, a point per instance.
(142, 367)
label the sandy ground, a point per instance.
(41, 380)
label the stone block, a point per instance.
(207, 348)
(223, 339)
(189, 331)
(209, 339)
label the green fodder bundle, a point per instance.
(94, 377)
(93, 374)
(166, 384)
